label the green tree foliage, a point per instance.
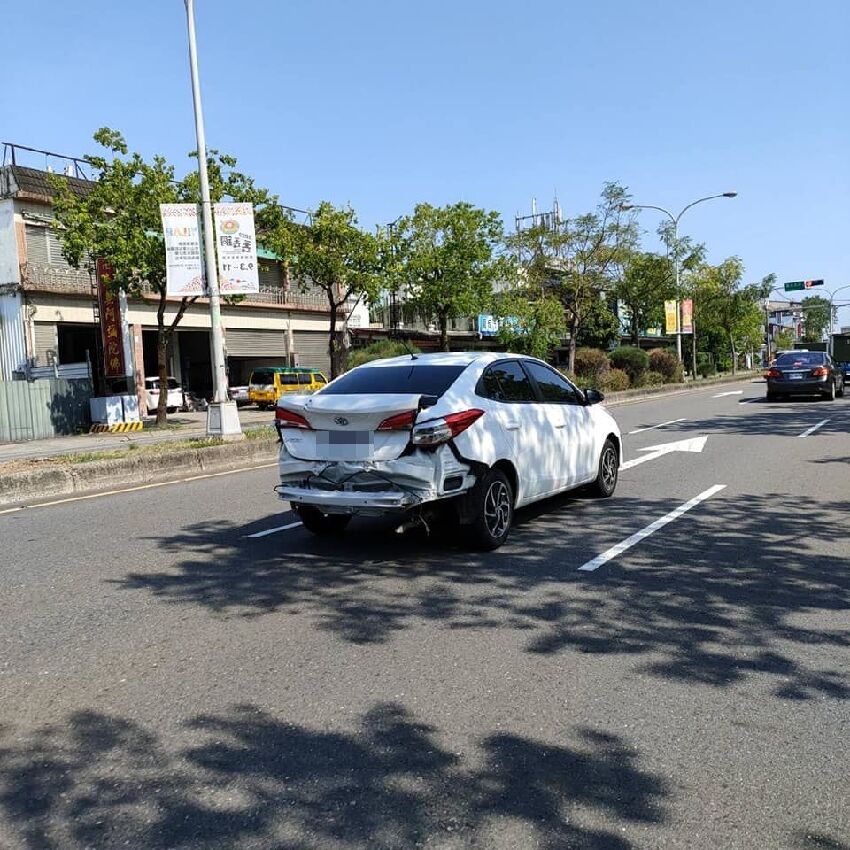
(446, 260)
(335, 255)
(648, 280)
(816, 318)
(784, 340)
(530, 323)
(728, 309)
(118, 220)
(378, 351)
(579, 260)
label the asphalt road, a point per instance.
(169, 681)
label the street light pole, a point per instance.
(675, 219)
(222, 416)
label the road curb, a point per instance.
(76, 479)
(642, 393)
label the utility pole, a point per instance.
(222, 415)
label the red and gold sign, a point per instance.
(110, 323)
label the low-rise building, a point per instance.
(48, 311)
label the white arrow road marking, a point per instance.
(813, 428)
(652, 427)
(731, 392)
(694, 444)
(269, 531)
(621, 547)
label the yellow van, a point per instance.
(269, 383)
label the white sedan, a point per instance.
(482, 433)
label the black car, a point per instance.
(804, 373)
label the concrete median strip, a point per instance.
(54, 482)
(626, 544)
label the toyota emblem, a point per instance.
(341, 420)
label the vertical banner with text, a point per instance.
(687, 316)
(671, 316)
(114, 364)
(236, 245)
(184, 275)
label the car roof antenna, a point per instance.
(409, 350)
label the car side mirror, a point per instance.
(593, 397)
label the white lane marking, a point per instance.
(621, 547)
(133, 489)
(694, 444)
(813, 428)
(749, 400)
(652, 427)
(269, 531)
(731, 392)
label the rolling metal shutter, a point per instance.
(44, 340)
(242, 342)
(311, 349)
(37, 253)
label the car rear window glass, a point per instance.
(262, 376)
(507, 382)
(801, 358)
(421, 378)
(172, 384)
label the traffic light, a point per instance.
(810, 283)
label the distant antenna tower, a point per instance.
(550, 220)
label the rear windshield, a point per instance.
(422, 379)
(172, 384)
(262, 376)
(800, 358)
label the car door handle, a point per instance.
(512, 425)
(560, 424)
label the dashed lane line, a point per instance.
(636, 538)
(814, 428)
(269, 531)
(652, 427)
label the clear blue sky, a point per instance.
(385, 104)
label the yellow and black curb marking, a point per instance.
(117, 428)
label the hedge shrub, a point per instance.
(614, 380)
(667, 364)
(379, 350)
(633, 361)
(591, 363)
(652, 379)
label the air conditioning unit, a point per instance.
(69, 170)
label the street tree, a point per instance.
(579, 260)
(118, 220)
(530, 322)
(333, 254)
(447, 260)
(648, 280)
(730, 308)
(817, 318)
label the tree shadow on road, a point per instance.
(246, 779)
(725, 594)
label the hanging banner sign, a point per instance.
(687, 316)
(114, 364)
(236, 246)
(671, 314)
(184, 274)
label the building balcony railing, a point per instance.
(71, 281)
(410, 320)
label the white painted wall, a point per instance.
(12, 340)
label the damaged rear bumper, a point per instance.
(373, 487)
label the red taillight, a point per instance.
(436, 431)
(774, 373)
(399, 422)
(459, 422)
(289, 419)
(820, 372)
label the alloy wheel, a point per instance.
(497, 509)
(609, 468)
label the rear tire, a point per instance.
(608, 471)
(321, 524)
(830, 394)
(492, 511)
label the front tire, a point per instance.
(493, 511)
(608, 472)
(321, 524)
(840, 393)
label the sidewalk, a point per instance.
(181, 426)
